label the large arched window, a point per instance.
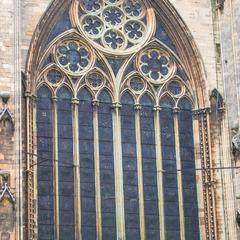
(115, 135)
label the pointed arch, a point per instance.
(92, 118)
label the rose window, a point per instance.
(155, 65)
(73, 57)
(113, 25)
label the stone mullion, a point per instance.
(179, 173)
(159, 162)
(97, 170)
(119, 193)
(55, 169)
(76, 170)
(140, 170)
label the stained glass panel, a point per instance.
(188, 168)
(171, 202)
(130, 173)
(107, 176)
(65, 165)
(149, 169)
(45, 169)
(87, 166)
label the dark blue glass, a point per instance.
(188, 172)
(170, 184)
(107, 176)
(62, 24)
(149, 169)
(65, 165)
(87, 167)
(45, 169)
(130, 174)
(115, 64)
(163, 36)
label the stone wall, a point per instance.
(7, 160)
(229, 21)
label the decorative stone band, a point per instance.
(202, 115)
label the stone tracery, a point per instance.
(119, 26)
(115, 25)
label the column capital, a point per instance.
(176, 110)
(157, 108)
(75, 101)
(54, 99)
(137, 107)
(116, 105)
(95, 103)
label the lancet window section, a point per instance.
(45, 188)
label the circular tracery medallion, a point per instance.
(73, 57)
(95, 80)
(156, 65)
(54, 76)
(175, 88)
(115, 26)
(137, 84)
